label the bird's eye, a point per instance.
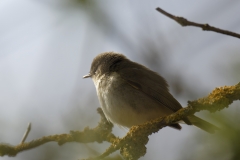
(96, 72)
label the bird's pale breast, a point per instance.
(124, 105)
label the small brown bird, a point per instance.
(131, 94)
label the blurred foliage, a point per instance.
(223, 145)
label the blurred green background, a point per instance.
(46, 46)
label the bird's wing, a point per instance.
(151, 84)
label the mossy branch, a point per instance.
(132, 146)
(98, 134)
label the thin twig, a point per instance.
(26, 133)
(206, 27)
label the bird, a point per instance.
(131, 94)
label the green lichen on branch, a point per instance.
(218, 99)
(98, 134)
(133, 145)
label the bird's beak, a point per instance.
(87, 76)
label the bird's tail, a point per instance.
(202, 124)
